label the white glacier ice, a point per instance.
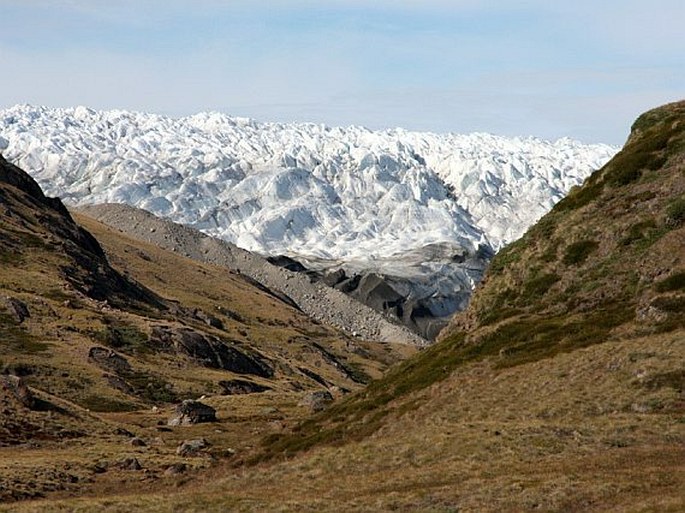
(335, 193)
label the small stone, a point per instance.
(100, 467)
(137, 442)
(130, 464)
(175, 469)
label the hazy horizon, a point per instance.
(522, 68)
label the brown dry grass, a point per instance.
(595, 430)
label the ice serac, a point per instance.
(378, 201)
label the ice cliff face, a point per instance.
(369, 199)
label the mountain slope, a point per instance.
(415, 207)
(64, 297)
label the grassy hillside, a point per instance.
(104, 336)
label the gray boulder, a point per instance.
(191, 412)
(130, 464)
(175, 469)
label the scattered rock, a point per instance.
(17, 309)
(192, 412)
(192, 447)
(175, 469)
(317, 400)
(130, 464)
(18, 389)
(240, 386)
(137, 442)
(108, 359)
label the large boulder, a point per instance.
(191, 412)
(192, 447)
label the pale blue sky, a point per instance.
(550, 69)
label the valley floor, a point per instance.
(599, 429)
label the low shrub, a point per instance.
(578, 252)
(674, 282)
(675, 213)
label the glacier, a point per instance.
(406, 204)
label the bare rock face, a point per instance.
(18, 389)
(191, 412)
